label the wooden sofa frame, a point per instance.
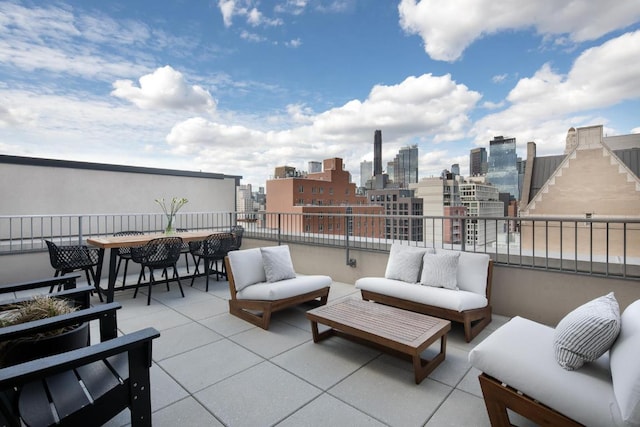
(499, 397)
(474, 320)
(258, 312)
(115, 384)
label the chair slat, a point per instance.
(97, 378)
(34, 405)
(66, 393)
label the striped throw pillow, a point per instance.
(587, 332)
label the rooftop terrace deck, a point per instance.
(211, 368)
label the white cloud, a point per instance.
(246, 9)
(543, 104)
(499, 78)
(420, 106)
(448, 27)
(164, 88)
(294, 43)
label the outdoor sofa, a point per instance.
(443, 283)
(263, 280)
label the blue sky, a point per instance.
(242, 86)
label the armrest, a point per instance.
(106, 313)
(26, 372)
(67, 281)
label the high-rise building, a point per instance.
(455, 169)
(377, 153)
(244, 202)
(481, 200)
(399, 203)
(366, 172)
(503, 168)
(478, 162)
(323, 198)
(406, 167)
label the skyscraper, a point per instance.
(406, 166)
(366, 172)
(503, 168)
(478, 161)
(377, 153)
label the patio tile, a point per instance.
(187, 412)
(326, 410)
(159, 319)
(206, 365)
(460, 409)
(206, 306)
(326, 363)
(453, 368)
(261, 395)
(226, 324)
(470, 382)
(340, 290)
(182, 338)
(390, 394)
(164, 389)
(279, 338)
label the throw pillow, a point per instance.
(404, 263)
(587, 332)
(277, 263)
(440, 270)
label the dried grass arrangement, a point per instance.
(40, 307)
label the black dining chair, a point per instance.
(212, 249)
(185, 248)
(125, 254)
(160, 253)
(237, 231)
(68, 258)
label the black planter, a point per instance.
(24, 350)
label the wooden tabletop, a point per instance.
(141, 239)
(377, 320)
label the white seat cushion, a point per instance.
(439, 297)
(284, 288)
(521, 354)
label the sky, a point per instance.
(241, 86)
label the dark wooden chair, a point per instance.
(86, 386)
(160, 253)
(69, 258)
(213, 249)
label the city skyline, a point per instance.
(241, 86)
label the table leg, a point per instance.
(113, 258)
(422, 368)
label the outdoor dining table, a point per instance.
(115, 242)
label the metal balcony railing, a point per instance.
(607, 247)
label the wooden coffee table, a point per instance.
(394, 330)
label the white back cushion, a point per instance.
(247, 268)
(404, 262)
(625, 369)
(277, 263)
(472, 271)
(440, 270)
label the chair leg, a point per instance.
(151, 282)
(186, 260)
(53, 286)
(175, 274)
(207, 268)
(124, 276)
(195, 270)
(135, 293)
(95, 283)
(118, 267)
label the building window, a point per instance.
(301, 188)
(331, 190)
(321, 190)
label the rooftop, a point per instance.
(211, 368)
